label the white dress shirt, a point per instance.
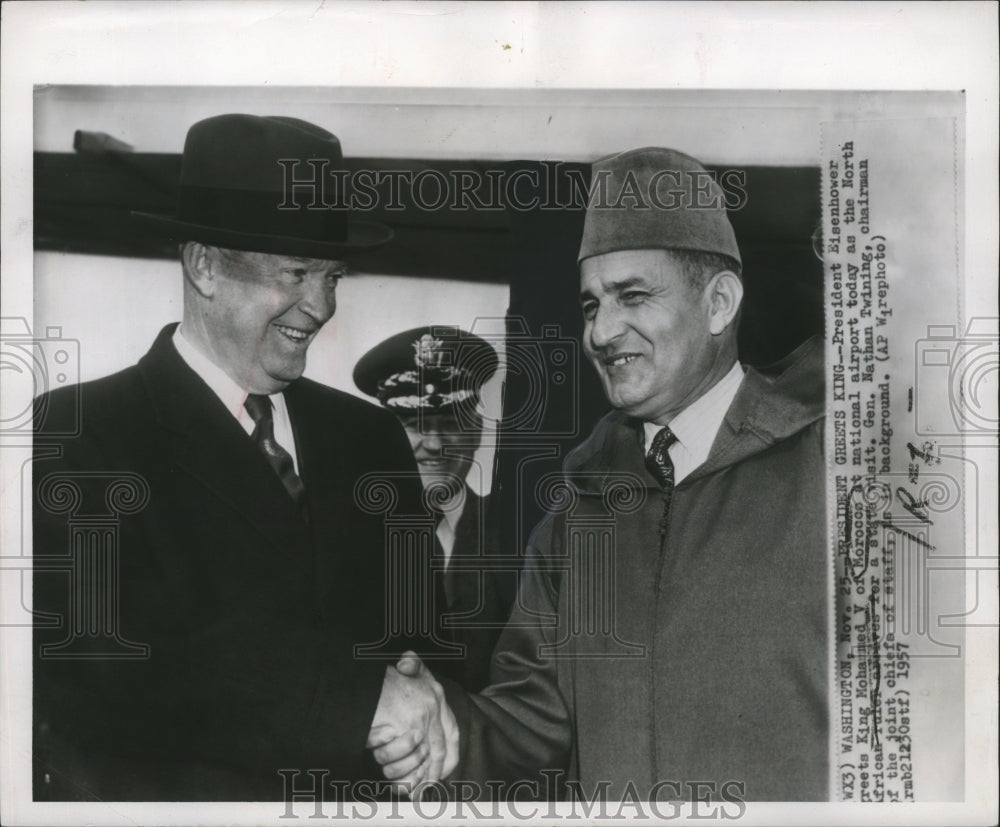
(233, 396)
(697, 425)
(446, 527)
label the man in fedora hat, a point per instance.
(430, 378)
(710, 677)
(203, 645)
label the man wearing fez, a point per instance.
(208, 642)
(431, 377)
(716, 671)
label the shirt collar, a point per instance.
(451, 511)
(696, 426)
(231, 394)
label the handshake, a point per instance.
(414, 735)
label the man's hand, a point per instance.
(414, 734)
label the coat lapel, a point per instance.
(209, 444)
(461, 583)
(321, 462)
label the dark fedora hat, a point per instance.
(241, 187)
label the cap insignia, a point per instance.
(428, 352)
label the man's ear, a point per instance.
(199, 267)
(724, 292)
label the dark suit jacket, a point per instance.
(479, 586)
(250, 613)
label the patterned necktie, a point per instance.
(260, 410)
(660, 465)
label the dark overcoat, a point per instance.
(232, 655)
(479, 586)
(644, 667)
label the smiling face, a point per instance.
(649, 332)
(260, 312)
(443, 447)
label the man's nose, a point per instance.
(430, 441)
(319, 299)
(605, 327)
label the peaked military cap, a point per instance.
(430, 369)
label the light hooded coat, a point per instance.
(707, 659)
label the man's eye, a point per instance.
(293, 274)
(633, 296)
(589, 310)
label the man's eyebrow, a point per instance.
(625, 284)
(617, 287)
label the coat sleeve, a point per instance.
(520, 725)
(216, 708)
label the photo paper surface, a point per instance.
(864, 226)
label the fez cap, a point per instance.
(430, 369)
(242, 188)
(654, 198)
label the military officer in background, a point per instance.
(431, 378)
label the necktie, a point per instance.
(260, 410)
(445, 574)
(660, 465)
